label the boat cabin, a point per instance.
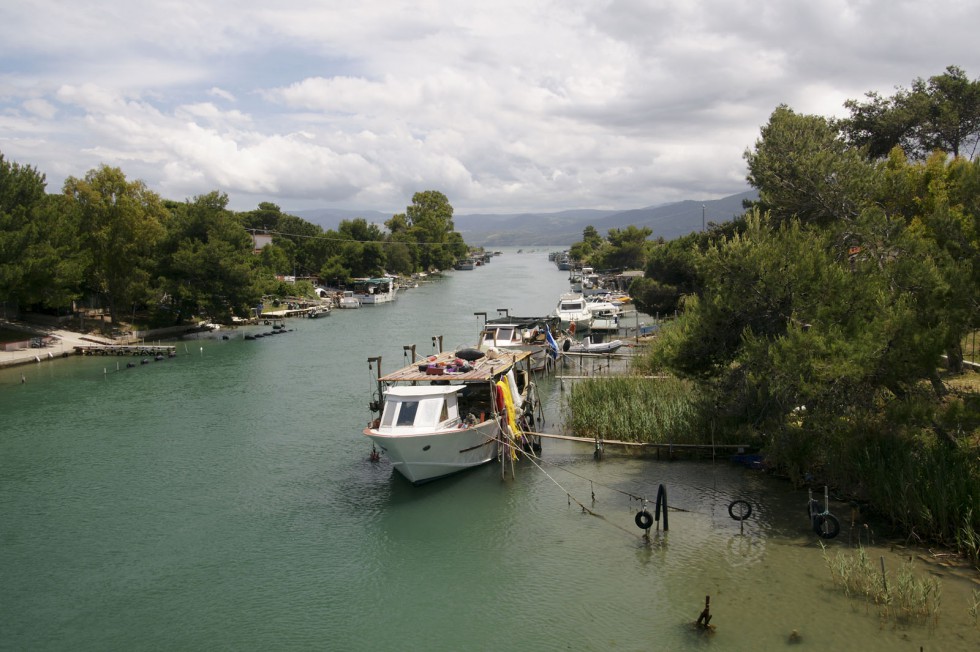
(421, 408)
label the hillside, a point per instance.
(668, 221)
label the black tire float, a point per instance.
(470, 355)
(744, 510)
(826, 525)
(644, 519)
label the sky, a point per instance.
(507, 106)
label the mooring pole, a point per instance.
(705, 616)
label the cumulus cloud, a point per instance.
(511, 106)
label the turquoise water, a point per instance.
(224, 500)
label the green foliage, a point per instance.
(633, 409)
(804, 169)
(41, 263)
(207, 266)
(907, 598)
(119, 223)
(941, 113)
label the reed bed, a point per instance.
(634, 409)
(905, 598)
(928, 488)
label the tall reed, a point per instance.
(628, 408)
(905, 598)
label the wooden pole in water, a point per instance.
(705, 618)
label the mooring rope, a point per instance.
(591, 512)
(605, 486)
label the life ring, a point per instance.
(644, 519)
(826, 525)
(745, 510)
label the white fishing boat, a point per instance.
(447, 414)
(573, 312)
(370, 291)
(523, 334)
(348, 301)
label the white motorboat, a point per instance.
(348, 301)
(573, 312)
(529, 334)
(605, 314)
(370, 291)
(446, 414)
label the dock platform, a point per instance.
(127, 349)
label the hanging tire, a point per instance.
(826, 525)
(644, 520)
(744, 510)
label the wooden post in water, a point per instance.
(704, 619)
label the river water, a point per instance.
(225, 500)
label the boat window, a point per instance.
(445, 413)
(504, 334)
(488, 335)
(571, 306)
(406, 414)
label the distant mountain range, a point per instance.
(563, 228)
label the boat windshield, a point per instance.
(570, 307)
(428, 411)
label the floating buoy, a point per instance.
(644, 519)
(743, 511)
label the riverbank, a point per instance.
(41, 344)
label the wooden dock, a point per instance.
(127, 349)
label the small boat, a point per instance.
(348, 301)
(465, 264)
(522, 334)
(452, 412)
(588, 346)
(573, 313)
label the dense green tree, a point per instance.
(941, 113)
(208, 266)
(804, 169)
(120, 223)
(40, 261)
(625, 248)
(671, 273)
(591, 243)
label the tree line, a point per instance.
(822, 323)
(111, 242)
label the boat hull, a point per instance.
(429, 456)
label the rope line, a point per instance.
(585, 509)
(604, 486)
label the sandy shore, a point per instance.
(63, 345)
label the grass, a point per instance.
(905, 598)
(634, 409)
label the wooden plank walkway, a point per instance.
(127, 349)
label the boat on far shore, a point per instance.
(370, 291)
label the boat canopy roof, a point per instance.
(485, 369)
(422, 390)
